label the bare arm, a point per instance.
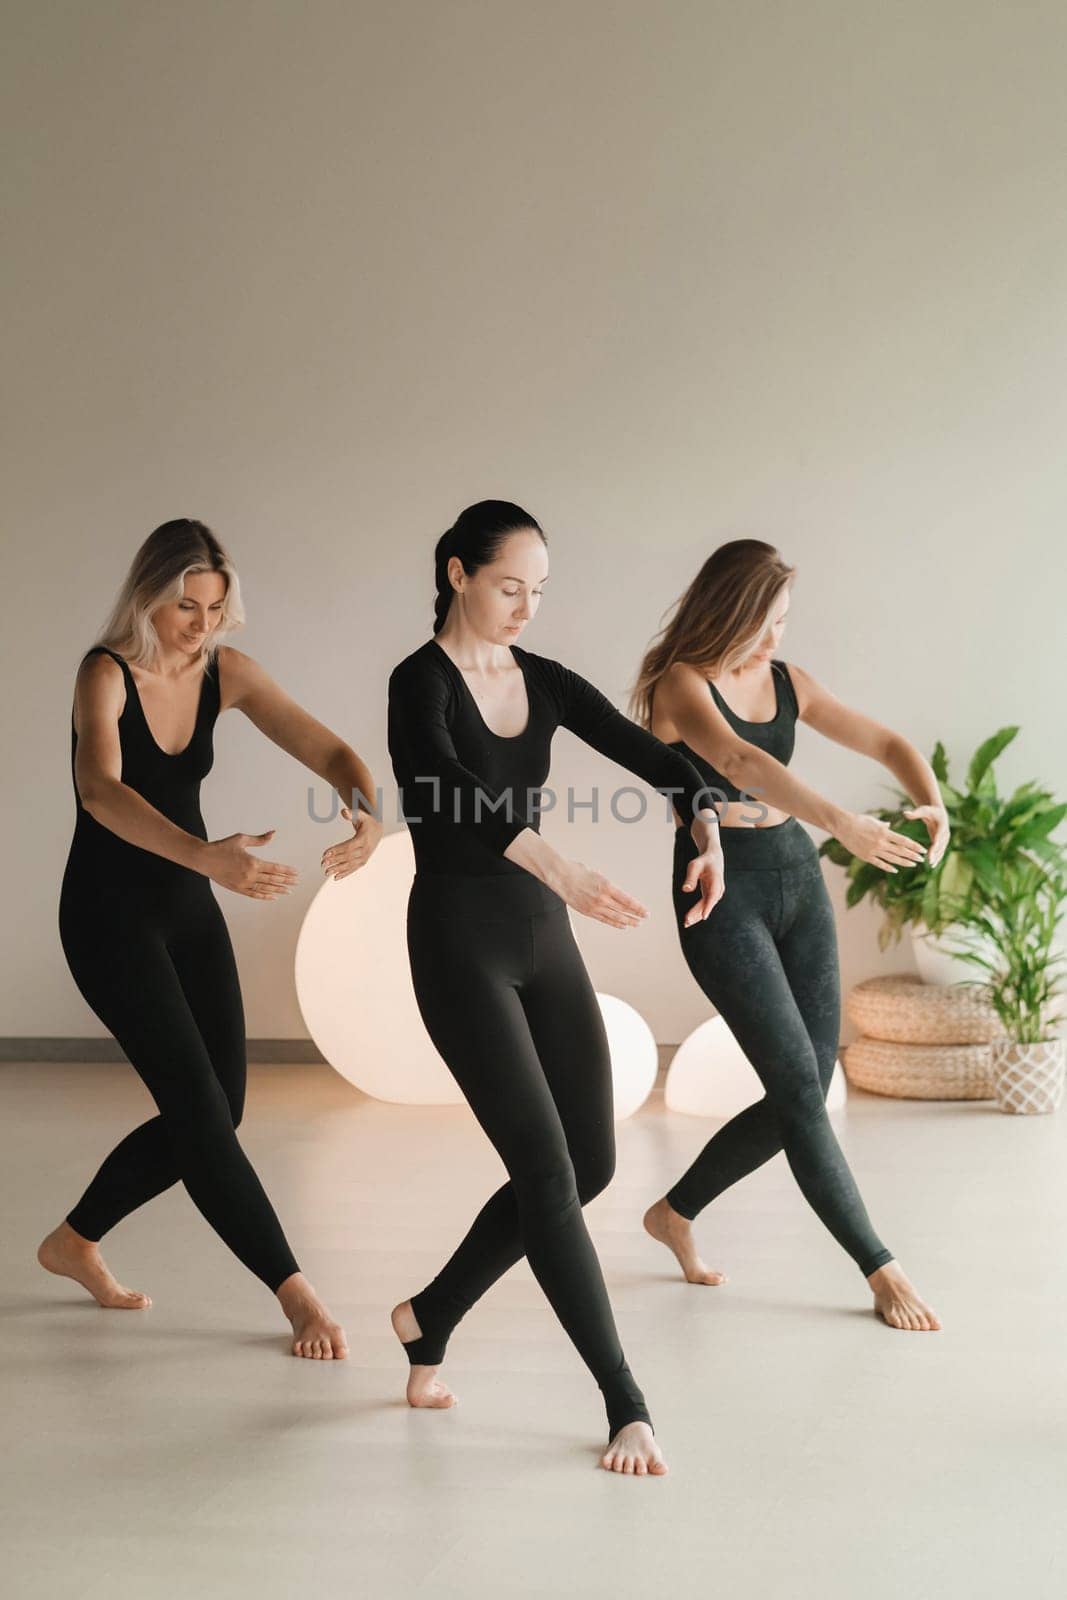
(825, 713)
(751, 770)
(587, 890)
(310, 742)
(99, 697)
(912, 771)
(294, 730)
(529, 849)
(682, 693)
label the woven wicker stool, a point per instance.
(903, 1008)
(920, 1071)
(921, 1041)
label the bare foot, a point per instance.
(424, 1387)
(634, 1449)
(676, 1232)
(315, 1334)
(898, 1303)
(68, 1255)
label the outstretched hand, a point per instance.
(936, 820)
(231, 863)
(589, 892)
(875, 841)
(706, 873)
(341, 860)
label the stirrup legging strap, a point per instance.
(428, 1350)
(622, 1398)
(508, 1003)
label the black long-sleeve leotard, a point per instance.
(503, 991)
(468, 792)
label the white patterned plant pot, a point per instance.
(1028, 1078)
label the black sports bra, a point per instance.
(776, 736)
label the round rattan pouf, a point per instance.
(920, 1071)
(903, 1009)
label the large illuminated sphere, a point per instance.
(353, 983)
(710, 1076)
(634, 1058)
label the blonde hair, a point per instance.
(157, 575)
(719, 619)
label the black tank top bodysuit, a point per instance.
(776, 736)
(110, 869)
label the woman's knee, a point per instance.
(201, 1115)
(546, 1191)
(235, 1099)
(595, 1171)
(801, 1098)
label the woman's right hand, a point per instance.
(229, 862)
(595, 896)
(875, 841)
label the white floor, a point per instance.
(813, 1451)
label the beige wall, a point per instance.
(667, 273)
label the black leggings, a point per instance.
(766, 958)
(507, 1001)
(164, 981)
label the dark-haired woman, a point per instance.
(140, 926)
(499, 981)
(712, 687)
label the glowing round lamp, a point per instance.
(353, 983)
(634, 1058)
(710, 1076)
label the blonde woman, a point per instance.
(142, 932)
(766, 957)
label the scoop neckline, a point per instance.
(171, 755)
(505, 738)
(767, 722)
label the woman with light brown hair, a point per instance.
(712, 687)
(143, 934)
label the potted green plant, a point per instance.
(1011, 938)
(987, 832)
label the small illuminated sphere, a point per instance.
(634, 1057)
(710, 1076)
(353, 983)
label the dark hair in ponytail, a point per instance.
(475, 537)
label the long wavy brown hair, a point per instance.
(717, 623)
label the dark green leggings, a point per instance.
(766, 957)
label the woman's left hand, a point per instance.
(707, 872)
(936, 819)
(341, 860)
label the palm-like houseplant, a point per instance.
(998, 894)
(1011, 938)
